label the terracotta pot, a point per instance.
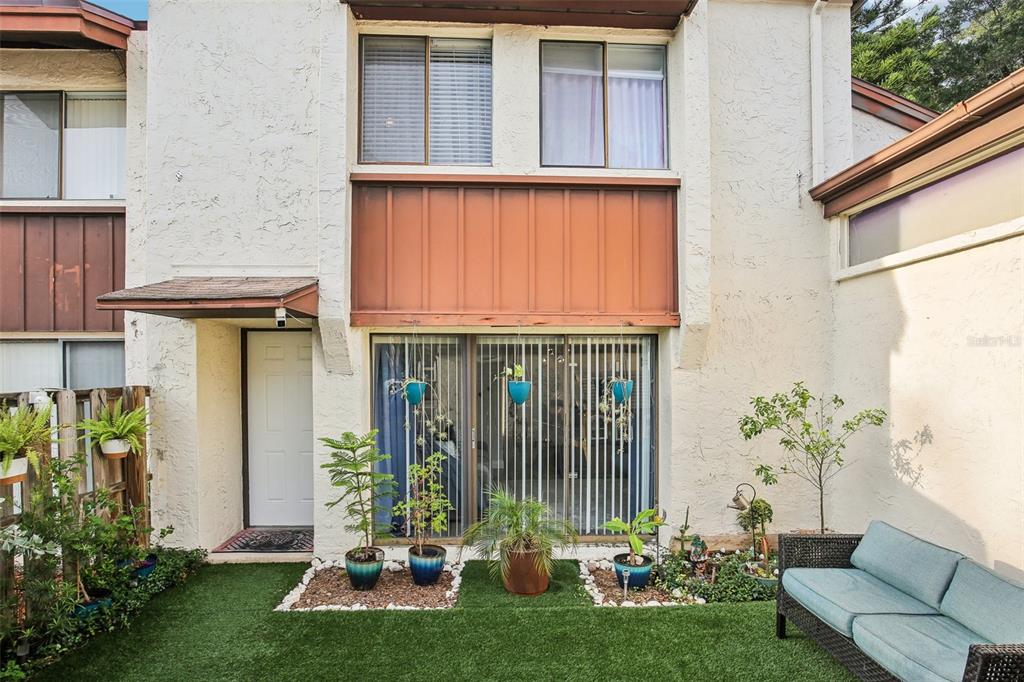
(523, 577)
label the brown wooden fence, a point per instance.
(127, 479)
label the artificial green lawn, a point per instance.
(219, 626)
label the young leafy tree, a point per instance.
(807, 426)
(353, 468)
(427, 506)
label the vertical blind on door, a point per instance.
(397, 121)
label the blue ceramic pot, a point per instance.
(145, 567)
(426, 569)
(638, 575)
(100, 600)
(519, 391)
(621, 390)
(414, 392)
(363, 573)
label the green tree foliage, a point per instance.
(941, 56)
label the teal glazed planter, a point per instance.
(638, 575)
(414, 392)
(426, 569)
(519, 391)
(622, 390)
(145, 568)
(362, 574)
(100, 600)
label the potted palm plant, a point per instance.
(352, 468)
(117, 432)
(635, 567)
(426, 512)
(21, 432)
(518, 538)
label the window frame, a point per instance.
(604, 65)
(62, 343)
(360, 159)
(63, 118)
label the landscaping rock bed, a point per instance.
(603, 587)
(325, 587)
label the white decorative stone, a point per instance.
(700, 600)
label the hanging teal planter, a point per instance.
(519, 391)
(414, 392)
(621, 390)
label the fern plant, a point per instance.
(113, 423)
(511, 526)
(353, 468)
(21, 431)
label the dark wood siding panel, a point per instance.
(52, 268)
(509, 255)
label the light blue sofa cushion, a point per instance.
(837, 595)
(990, 605)
(909, 564)
(926, 648)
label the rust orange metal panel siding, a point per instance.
(447, 254)
(52, 267)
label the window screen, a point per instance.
(30, 145)
(460, 101)
(572, 104)
(29, 365)
(636, 106)
(94, 146)
(94, 364)
(394, 81)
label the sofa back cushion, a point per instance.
(908, 563)
(984, 602)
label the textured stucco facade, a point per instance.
(243, 152)
(72, 70)
(871, 133)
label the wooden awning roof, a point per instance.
(649, 14)
(63, 24)
(208, 297)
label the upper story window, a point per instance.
(425, 100)
(62, 145)
(603, 105)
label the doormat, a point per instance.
(275, 539)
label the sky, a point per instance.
(133, 9)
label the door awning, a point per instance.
(218, 297)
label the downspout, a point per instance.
(817, 103)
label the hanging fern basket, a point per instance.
(115, 448)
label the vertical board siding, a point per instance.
(52, 268)
(516, 254)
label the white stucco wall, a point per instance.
(937, 344)
(871, 133)
(81, 70)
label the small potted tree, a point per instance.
(518, 538)
(515, 382)
(426, 513)
(352, 468)
(116, 432)
(637, 563)
(21, 433)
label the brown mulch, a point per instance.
(606, 582)
(331, 586)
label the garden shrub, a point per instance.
(731, 584)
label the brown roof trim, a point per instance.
(218, 297)
(74, 20)
(889, 106)
(398, 318)
(995, 113)
(510, 180)
(640, 14)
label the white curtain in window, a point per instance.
(460, 101)
(94, 146)
(94, 364)
(30, 145)
(394, 83)
(636, 106)
(29, 365)
(572, 103)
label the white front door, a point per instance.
(280, 425)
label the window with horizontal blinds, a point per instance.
(94, 146)
(398, 73)
(460, 101)
(394, 87)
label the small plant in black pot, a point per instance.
(354, 459)
(426, 513)
(633, 570)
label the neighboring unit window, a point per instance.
(30, 145)
(31, 365)
(580, 83)
(94, 146)
(397, 120)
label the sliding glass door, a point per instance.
(585, 451)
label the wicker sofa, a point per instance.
(890, 606)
